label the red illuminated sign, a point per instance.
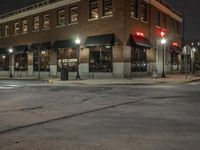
(175, 44)
(140, 34)
(161, 32)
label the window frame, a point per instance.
(134, 9)
(16, 31)
(70, 14)
(61, 19)
(44, 27)
(145, 9)
(35, 22)
(92, 10)
(6, 30)
(105, 6)
(24, 25)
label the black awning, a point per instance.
(106, 39)
(64, 44)
(40, 46)
(140, 41)
(3, 50)
(20, 48)
(175, 49)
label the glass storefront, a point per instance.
(21, 62)
(139, 60)
(67, 58)
(44, 60)
(174, 62)
(100, 59)
(4, 62)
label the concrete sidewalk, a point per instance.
(135, 81)
(171, 78)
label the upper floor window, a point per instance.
(134, 8)
(46, 22)
(73, 14)
(143, 14)
(16, 28)
(1, 31)
(36, 23)
(107, 8)
(175, 26)
(61, 17)
(24, 26)
(164, 21)
(157, 18)
(6, 31)
(93, 9)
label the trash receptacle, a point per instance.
(64, 74)
(154, 73)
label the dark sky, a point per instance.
(189, 7)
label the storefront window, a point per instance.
(100, 59)
(73, 14)
(174, 62)
(139, 60)
(44, 60)
(67, 58)
(107, 7)
(4, 62)
(21, 63)
(93, 9)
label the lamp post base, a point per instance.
(10, 76)
(163, 75)
(78, 77)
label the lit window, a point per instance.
(21, 62)
(67, 58)
(134, 8)
(16, 28)
(100, 59)
(61, 18)
(157, 18)
(24, 26)
(46, 23)
(73, 14)
(93, 9)
(1, 31)
(36, 23)
(143, 14)
(6, 31)
(107, 8)
(43, 62)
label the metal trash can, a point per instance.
(154, 73)
(64, 74)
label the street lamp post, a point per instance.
(193, 50)
(163, 42)
(78, 41)
(10, 50)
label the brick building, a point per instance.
(118, 38)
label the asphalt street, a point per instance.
(35, 115)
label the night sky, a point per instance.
(189, 7)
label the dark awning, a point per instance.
(40, 46)
(140, 41)
(3, 50)
(106, 39)
(64, 44)
(20, 48)
(175, 49)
